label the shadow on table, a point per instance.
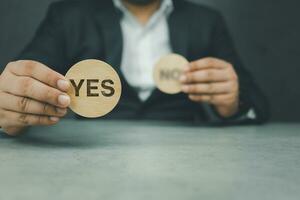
(64, 140)
(57, 143)
(93, 134)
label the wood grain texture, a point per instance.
(167, 72)
(93, 106)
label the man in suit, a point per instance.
(131, 35)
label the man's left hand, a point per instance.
(212, 81)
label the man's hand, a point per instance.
(31, 94)
(213, 81)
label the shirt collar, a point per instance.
(166, 6)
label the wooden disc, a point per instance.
(95, 88)
(167, 72)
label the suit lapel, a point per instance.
(178, 29)
(109, 21)
(108, 18)
(178, 33)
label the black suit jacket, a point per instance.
(76, 30)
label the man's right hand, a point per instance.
(31, 94)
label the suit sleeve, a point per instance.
(48, 45)
(251, 97)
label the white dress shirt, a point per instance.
(143, 46)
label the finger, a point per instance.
(207, 63)
(30, 106)
(15, 119)
(31, 88)
(209, 88)
(211, 99)
(13, 131)
(39, 72)
(206, 75)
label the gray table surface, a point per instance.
(151, 160)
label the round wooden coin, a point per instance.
(95, 88)
(167, 72)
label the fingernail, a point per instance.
(63, 85)
(183, 78)
(186, 68)
(64, 100)
(54, 119)
(61, 110)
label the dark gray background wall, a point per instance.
(266, 34)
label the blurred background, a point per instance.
(266, 34)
